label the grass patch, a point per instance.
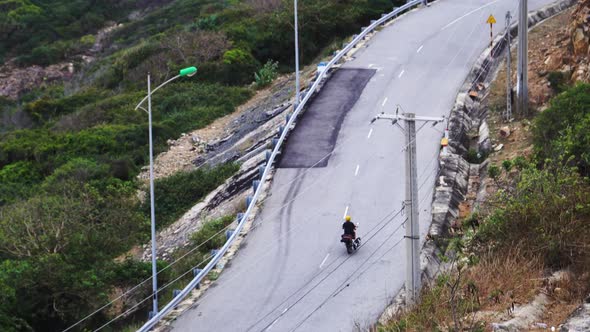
(450, 301)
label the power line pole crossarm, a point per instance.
(413, 282)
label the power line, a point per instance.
(195, 248)
(322, 280)
(207, 240)
(338, 291)
(397, 243)
(150, 296)
(272, 245)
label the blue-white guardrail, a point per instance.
(179, 296)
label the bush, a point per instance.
(43, 32)
(210, 236)
(474, 157)
(561, 131)
(73, 231)
(46, 108)
(17, 180)
(207, 23)
(266, 74)
(176, 194)
(557, 81)
(547, 214)
(494, 172)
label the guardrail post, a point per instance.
(248, 200)
(267, 155)
(260, 171)
(196, 272)
(175, 292)
(281, 128)
(255, 185)
(229, 233)
(214, 252)
(274, 142)
(239, 217)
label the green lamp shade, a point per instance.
(189, 71)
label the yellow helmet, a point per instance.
(347, 218)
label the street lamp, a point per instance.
(296, 57)
(189, 71)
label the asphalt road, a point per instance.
(322, 120)
(293, 273)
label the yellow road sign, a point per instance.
(491, 19)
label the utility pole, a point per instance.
(152, 206)
(413, 282)
(297, 97)
(522, 89)
(508, 68)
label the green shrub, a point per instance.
(175, 194)
(207, 23)
(520, 163)
(198, 253)
(266, 74)
(87, 40)
(547, 214)
(46, 108)
(493, 172)
(474, 157)
(561, 131)
(17, 181)
(43, 32)
(557, 81)
(79, 169)
(73, 231)
(208, 234)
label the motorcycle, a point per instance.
(351, 244)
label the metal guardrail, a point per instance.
(258, 188)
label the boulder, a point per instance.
(579, 42)
(505, 131)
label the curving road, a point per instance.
(292, 272)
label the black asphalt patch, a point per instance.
(313, 139)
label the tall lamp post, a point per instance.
(190, 71)
(297, 100)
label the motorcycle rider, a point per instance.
(349, 227)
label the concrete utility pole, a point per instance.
(413, 282)
(297, 97)
(508, 68)
(522, 89)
